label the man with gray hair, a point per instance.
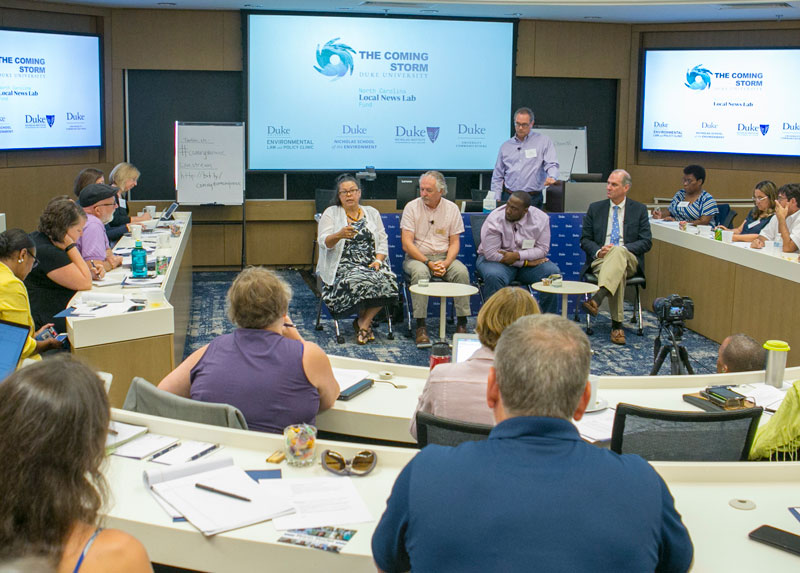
(534, 493)
(615, 237)
(527, 162)
(740, 353)
(431, 228)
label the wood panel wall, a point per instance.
(212, 40)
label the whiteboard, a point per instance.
(565, 140)
(209, 163)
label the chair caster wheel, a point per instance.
(589, 331)
(640, 332)
(390, 336)
(340, 339)
(319, 327)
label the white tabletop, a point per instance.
(444, 289)
(567, 287)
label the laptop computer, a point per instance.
(464, 346)
(13, 337)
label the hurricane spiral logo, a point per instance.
(334, 59)
(698, 78)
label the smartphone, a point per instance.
(47, 333)
(723, 396)
(135, 307)
(776, 538)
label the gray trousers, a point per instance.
(456, 273)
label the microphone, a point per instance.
(431, 221)
(574, 155)
(519, 148)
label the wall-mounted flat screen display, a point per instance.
(50, 90)
(722, 101)
(340, 93)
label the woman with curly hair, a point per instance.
(61, 270)
(54, 418)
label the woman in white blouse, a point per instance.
(352, 259)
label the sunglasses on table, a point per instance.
(361, 464)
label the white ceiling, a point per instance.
(619, 11)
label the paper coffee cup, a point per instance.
(136, 232)
(150, 209)
(727, 236)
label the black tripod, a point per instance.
(678, 355)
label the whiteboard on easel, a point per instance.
(566, 140)
(209, 163)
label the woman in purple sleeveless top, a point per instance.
(264, 368)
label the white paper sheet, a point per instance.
(145, 446)
(764, 395)
(347, 377)
(597, 426)
(319, 502)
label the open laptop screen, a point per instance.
(464, 346)
(12, 341)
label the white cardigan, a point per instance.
(332, 220)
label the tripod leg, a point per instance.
(684, 355)
(662, 354)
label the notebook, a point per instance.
(464, 346)
(13, 337)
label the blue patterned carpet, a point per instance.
(209, 319)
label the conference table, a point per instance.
(701, 491)
(734, 288)
(147, 343)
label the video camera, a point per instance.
(673, 309)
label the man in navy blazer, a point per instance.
(615, 237)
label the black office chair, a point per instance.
(337, 316)
(637, 281)
(666, 435)
(725, 216)
(322, 200)
(434, 430)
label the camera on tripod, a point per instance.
(673, 309)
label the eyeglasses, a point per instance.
(35, 261)
(519, 124)
(759, 199)
(348, 191)
(363, 463)
(689, 181)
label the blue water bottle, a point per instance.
(139, 262)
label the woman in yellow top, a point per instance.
(17, 258)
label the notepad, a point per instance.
(210, 512)
(145, 446)
(124, 434)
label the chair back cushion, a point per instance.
(434, 430)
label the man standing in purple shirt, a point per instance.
(526, 162)
(515, 240)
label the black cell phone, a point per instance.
(356, 389)
(723, 396)
(777, 538)
(135, 307)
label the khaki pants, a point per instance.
(612, 271)
(456, 273)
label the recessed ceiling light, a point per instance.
(514, 14)
(253, 5)
(167, 4)
(429, 11)
(592, 17)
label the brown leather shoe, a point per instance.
(591, 307)
(618, 336)
(422, 338)
(461, 328)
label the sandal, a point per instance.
(363, 336)
(370, 334)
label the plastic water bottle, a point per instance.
(138, 262)
(489, 203)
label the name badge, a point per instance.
(683, 204)
(753, 224)
(528, 243)
(530, 153)
(440, 231)
(123, 203)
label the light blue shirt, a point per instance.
(524, 165)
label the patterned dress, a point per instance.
(356, 286)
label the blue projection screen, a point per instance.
(722, 101)
(50, 86)
(340, 93)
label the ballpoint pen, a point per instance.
(199, 455)
(164, 451)
(220, 492)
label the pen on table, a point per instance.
(164, 451)
(99, 307)
(199, 455)
(220, 492)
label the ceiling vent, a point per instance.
(755, 6)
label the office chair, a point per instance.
(144, 397)
(637, 281)
(725, 216)
(667, 435)
(337, 316)
(477, 221)
(434, 430)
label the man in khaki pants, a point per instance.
(615, 237)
